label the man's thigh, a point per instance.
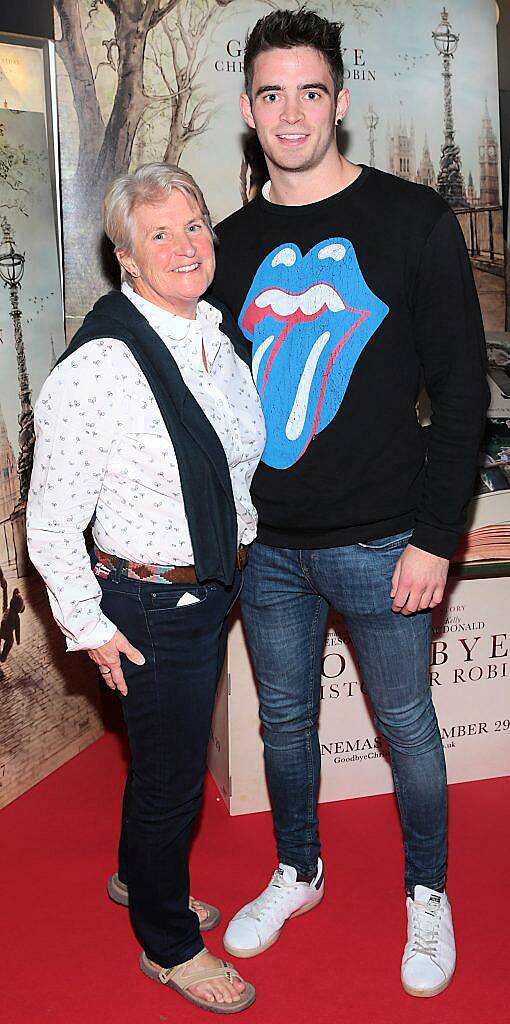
(285, 620)
(392, 649)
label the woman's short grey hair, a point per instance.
(152, 184)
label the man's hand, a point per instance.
(418, 581)
(107, 658)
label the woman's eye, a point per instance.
(159, 235)
(194, 227)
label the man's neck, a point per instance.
(298, 188)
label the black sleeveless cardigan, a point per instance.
(203, 469)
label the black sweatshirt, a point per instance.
(351, 305)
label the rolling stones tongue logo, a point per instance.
(309, 319)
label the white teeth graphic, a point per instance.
(185, 270)
(257, 358)
(332, 252)
(296, 420)
(308, 302)
(286, 256)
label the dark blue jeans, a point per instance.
(168, 712)
(285, 603)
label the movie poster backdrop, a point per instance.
(48, 707)
(160, 81)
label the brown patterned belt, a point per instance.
(149, 572)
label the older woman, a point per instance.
(150, 426)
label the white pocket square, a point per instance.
(187, 599)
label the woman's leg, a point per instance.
(168, 712)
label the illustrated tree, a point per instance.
(175, 53)
(147, 41)
(21, 169)
(164, 33)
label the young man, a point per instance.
(354, 288)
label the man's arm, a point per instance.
(450, 340)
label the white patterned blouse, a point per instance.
(102, 447)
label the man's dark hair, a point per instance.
(283, 30)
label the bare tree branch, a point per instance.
(73, 51)
(158, 15)
(13, 206)
(112, 6)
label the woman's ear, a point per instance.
(128, 262)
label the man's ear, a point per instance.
(128, 262)
(342, 105)
(245, 107)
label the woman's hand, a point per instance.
(107, 659)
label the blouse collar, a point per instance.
(178, 332)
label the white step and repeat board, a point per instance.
(470, 680)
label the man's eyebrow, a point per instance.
(268, 88)
(320, 86)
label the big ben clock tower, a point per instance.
(488, 152)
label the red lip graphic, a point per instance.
(292, 308)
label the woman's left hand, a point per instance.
(107, 659)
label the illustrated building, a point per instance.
(402, 151)
(488, 152)
(470, 191)
(425, 174)
(9, 480)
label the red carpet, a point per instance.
(68, 955)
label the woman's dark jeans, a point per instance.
(168, 712)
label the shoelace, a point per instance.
(268, 899)
(426, 923)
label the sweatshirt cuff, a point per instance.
(435, 540)
(95, 637)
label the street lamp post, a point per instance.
(371, 120)
(12, 267)
(450, 183)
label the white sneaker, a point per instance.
(429, 956)
(257, 925)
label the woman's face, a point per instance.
(172, 260)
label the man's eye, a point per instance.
(271, 97)
(194, 227)
(312, 95)
(159, 235)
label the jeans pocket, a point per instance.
(179, 597)
(398, 540)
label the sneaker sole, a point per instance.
(430, 992)
(246, 953)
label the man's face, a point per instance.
(293, 108)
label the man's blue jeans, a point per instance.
(285, 603)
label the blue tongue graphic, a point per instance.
(309, 319)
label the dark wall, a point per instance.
(27, 17)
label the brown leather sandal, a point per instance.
(119, 893)
(173, 977)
